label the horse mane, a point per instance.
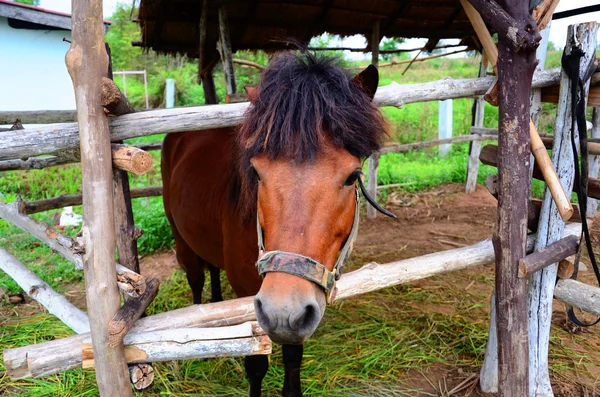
(302, 98)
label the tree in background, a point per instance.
(389, 44)
(30, 2)
(161, 67)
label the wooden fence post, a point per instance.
(473, 166)
(374, 158)
(551, 226)
(225, 50)
(87, 63)
(516, 64)
(594, 162)
(489, 371)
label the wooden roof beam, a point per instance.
(319, 21)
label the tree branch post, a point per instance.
(551, 226)
(515, 72)
(373, 160)
(87, 63)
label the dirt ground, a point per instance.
(442, 219)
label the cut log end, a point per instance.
(131, 159)
(141, 376)
(130, 313)
(113, 101)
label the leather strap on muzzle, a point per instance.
(305, 267)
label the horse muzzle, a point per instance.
(289, 309)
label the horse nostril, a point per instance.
(305, 320)
(261, 315)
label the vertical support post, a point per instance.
(226, 56)
(515, 72)
(87, 63)
(374, 159)
(594, 162)
(473, 166)
(170, 93)
(445, 125)
(489, 371)
(202, 29)
(551, 225)
(205, 75)
(145, 89)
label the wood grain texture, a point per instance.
(65, 157)
(131, 159)
(515, 72)
(130, 312)
(578, 294)
(141, 376)
(113, 99)
(546, 256)
(550, 229)
(87, 63)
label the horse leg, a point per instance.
(256, 368)
(292, 360)
(215, 283)
(192, 264)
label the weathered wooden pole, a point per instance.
(473, 166)
(205, 68)
(373, 161)
(226, 55)
(515, 72)
(551, 226)
(594, 162)
(489, 371)
(518, 38)
(87, 63)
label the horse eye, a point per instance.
(352, 178)
(253, 171)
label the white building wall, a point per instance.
(33, 74)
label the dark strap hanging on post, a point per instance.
(571, 64)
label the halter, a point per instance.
(305, 267)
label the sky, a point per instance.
(558, 31)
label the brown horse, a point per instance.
(290, 170)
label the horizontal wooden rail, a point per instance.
(405, 147)
(39, 290)
(56, 138)
(578, 294)
(28, 361)
(129, 282)
(33, 207)
(548, 255)
(488, 156)
(130, 158)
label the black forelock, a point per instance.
(303, 98)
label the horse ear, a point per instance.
(252, 93)
(367, 80)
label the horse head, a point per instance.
(301, 144)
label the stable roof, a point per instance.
(172, 26)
